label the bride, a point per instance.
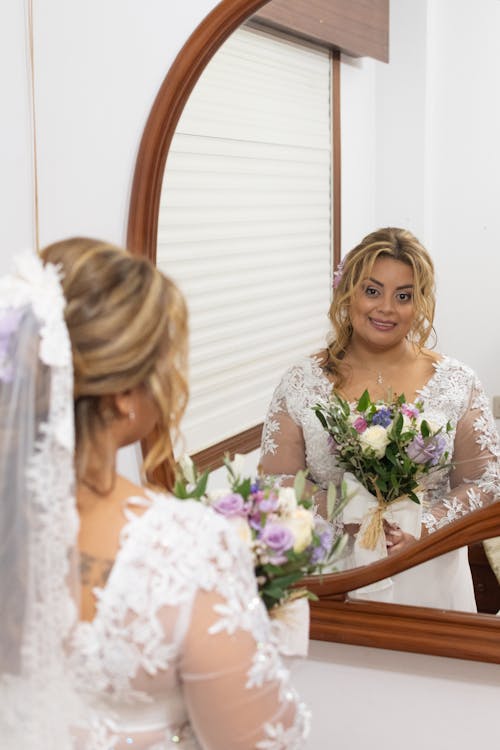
(382, 314)
(129, 618)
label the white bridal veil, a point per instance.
(38, 518)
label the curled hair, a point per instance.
(128, 327)
(389, 242)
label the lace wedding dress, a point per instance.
(180, 645)
(180, 652)
(293, 438)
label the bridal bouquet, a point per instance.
(286, 539)
(387, 447)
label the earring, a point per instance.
(131, 415)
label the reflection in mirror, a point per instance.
(411, 428)
(404, 203)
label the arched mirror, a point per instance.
(391, 626)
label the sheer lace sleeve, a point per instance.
(293, 438)
(236, 689)
(181, 651)
(475, 476)
(283, 450)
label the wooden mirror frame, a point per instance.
(392, 626)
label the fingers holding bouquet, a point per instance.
(396, 540)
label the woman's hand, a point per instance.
(396, 539)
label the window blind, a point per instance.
(245, 225)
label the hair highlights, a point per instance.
(128, 327)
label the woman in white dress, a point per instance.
(382, 315)
(130, 619)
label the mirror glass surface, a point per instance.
(304, 349)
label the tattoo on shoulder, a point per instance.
(94, 571)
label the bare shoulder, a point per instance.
(126, 488)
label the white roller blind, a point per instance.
(245, 225)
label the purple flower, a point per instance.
(319, 553)
(231, 504)
(427, 450)
(268, 504)
(279, 539)
(383, 417)
(360, 424)
(337, 274)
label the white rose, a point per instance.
(242, 529)
(187, 468)
(301, 524)
(374, 438)
(287, 500)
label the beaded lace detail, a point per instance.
(169, 554)
(452, 394)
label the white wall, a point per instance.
(432, 118)
(98, 68)
(406, 161)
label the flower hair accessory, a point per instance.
(337, 274)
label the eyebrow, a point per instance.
(405, 286)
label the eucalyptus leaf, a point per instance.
(299, 484)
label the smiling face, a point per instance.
(382, 307)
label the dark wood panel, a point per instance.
(486, 586)
(358, 27)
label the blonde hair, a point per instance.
(128, 327)
(390, 242)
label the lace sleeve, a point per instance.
(475, 477)
(282, 448)
(292, 438)
(236, 689)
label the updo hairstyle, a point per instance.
(128, 327)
